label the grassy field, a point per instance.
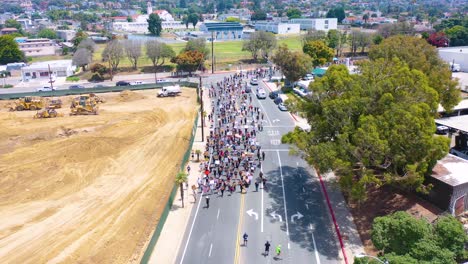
(228, 52)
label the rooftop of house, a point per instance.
(45, 64)
(451, 170)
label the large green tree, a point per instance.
(198, 44)
(404, 239)
(47, 33)
(419, 55)
(189, 61)
(154, 24)
(9, 50)
(372, 129)
(337, 12)
(260, 42)
(293, 64)
(318, 51)
(293, 13)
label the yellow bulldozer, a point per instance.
(28, 103)
(84, 105)
(54, 103)
(47, 113)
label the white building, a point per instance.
(139, 25)
(457, 55)
(222, 30)
(277, 27)
(36, 47)
(323, 24)
(66, 35)
(40, 70)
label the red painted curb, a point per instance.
(294, 117)
(337, 229)
(267, 86)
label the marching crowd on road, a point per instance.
(233, 156)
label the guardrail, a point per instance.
(96, 90)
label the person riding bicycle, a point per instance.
(245, 238)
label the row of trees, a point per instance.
(190, 59)
(405, 239)
(377, 127)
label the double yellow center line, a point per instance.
(239, 230)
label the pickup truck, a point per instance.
(45, 89)
(462, 153)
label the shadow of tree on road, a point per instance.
(300, 189)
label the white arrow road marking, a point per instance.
(275, 215)
(298, 216)
(251, 212)
(275, 120)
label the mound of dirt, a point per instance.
(89, 189)
(129, 96)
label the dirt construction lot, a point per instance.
(89, 189)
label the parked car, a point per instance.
(282, 107)
(462, 153)
(136, 83)
(122, 83)
(261, 94)
(76, 87)
(162, 81)
(100, 86)
(442, 130)
(278, 100)
(308, 77)
(45, 89)
(254, 81)
(274, 94)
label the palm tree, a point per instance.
(180, 179)
(198, 152)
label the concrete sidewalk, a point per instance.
(170, 239)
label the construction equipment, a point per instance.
(47, 113)
(98, 99)
(54, 103)
(84, 105)
(28, 103)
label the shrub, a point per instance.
(96, 78)
(7, 86)
(99, 68)
(73, 78)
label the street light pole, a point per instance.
(202, 111)
(212, 52)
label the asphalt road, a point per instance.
(290, 212)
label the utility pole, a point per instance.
(202, 112)
(212, 52)
(50, 79)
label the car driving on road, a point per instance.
(282, 107)
(261, 94)
(45, 89)
(122, 83)
(76, 87)
(254, 81)
(274, 94)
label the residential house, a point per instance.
(6, 31)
